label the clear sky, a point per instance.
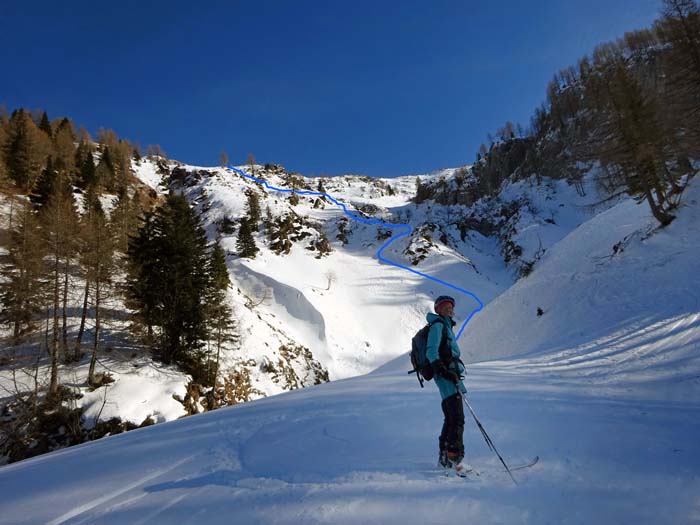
(382, 87)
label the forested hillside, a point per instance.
(630, 111)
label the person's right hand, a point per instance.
(452, 376)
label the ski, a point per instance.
(529, 464)
(472, 473)
(450, 472)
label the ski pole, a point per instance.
(487, 438)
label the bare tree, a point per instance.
(331, 278)
(253, 302)
(100, 269)
(154, 150)
(59, 219)
(251, 164)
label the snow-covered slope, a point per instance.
(616, 286)
(304, 318)
(352, 313)
(606, 396)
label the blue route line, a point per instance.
(408, 230)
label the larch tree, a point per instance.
(90, 204)
(24, 284)
(64, 149)
(100, 269)
(627, 137)
(251, 164)
(679, 29)
(59, 223)
(27, 150)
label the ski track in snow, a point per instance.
(115, 494)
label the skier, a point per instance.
(443, 353)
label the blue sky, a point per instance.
(382, 88)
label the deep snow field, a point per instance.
(604, 387)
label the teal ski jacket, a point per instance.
(447, 387)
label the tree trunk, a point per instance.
(218, 354)
(12, 207)
(81, 331)
(53, 388)
(659, 214)
(64, 327)
(46, 332)
(17, 328)
(96, 341)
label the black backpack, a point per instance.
(421, 366)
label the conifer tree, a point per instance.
(166, 283)
(143, 282)
(183, 247)
(105, 172)
(279, 234)
(253, 209)
(221, 323)
(88, 172)
(246, 242)
(46, 184)
(45, 125)
(323, 246)
(268, 222)
(136, 152)
(294, 182)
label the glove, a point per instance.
(462, 388)
(441, 370)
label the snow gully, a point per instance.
(405, 229)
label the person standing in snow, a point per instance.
(443, 353)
